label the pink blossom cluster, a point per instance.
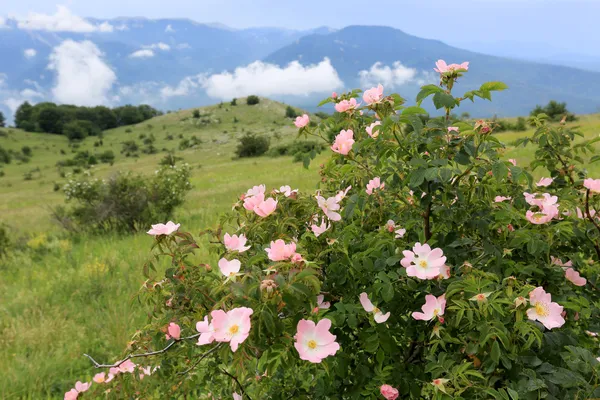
(546, 207)
(231, 327)
(281, 251)
(331, 205)
(254, 200)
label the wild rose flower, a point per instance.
(442, 67)
(251, 202)
(370, 128)
(287, 191)
(423, 262)
(400, 233)
(439, 384)
(390, 225)
(173, 331)
(500, 199)
(318, 230)
(280, 251)
(444, 272)
(544, 182)
(206, 330)
(256, 190)
(591, 334)
(82, 387)
(512, 161)
(233, 326)
(341, 195)
(268, 284)
(145, 371)
(321, 305)
(228, 268)
(71, 394)
(574, 277)
(544, 310)
(481, 297)
(315, 342)
(373, 95)
(163, 229)
(343, 142)
(369, 307)
(374, 184)
(235, 242)
(127, 366)
(581, 215)
(483, 126)
(302, 121)
(453, 129)
(433, 307)
(538, 218)
(592, 184)
(559, 262)
(346, 105)
(266, 208)
(102, 377)
(389, 392)
(330, 207)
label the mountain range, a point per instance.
(179, 63)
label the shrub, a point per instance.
(5, 157)
(26, 150)
(300, 150)
(252, 145)
(252, 100)
(125, 202)
(290, 112)
(129, 148)
(107, 157)
(76, 130)
(406, 269)
(196, 113)
(234, 102)
(555, 111)
(4, 240)
(170, 159)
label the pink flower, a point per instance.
(102, 377)
(452, 129)
(341, 195)
(315, 342)
(266, 208)
(296, 258)
(592, 184)
(237, 396)
(256, 190)
(442, 67)
(173, 331)
(500, 199)
(330, 207)
(114, 371)
(127, 366)
(320, 229)
(512, 161)
(390, 225)
(373, 95)
(369, 307)
(206, 330)
(334, 95)
(544, 182)
(302, 121)
(229, 268)
(145, 371)
(389, 392)
(251, 202)
(432, 308)
(370, 128)
(279, 251)
(574, 277)
(343, 142)
(321, 305)
(373, 184)
(71, 394)
(346, 105)
(538, 218)
(559, 262)
(82, 387)
(287, 191)
(163, 229)
(235, 243)
(444, 272)
(423, 262)
(233, 326)
(400, 233)
(544, 310)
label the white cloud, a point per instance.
(182, 46)
(12, 103)
(122, 27)
(3, 24)
(62, 21)
(271, 80)
(29, 53)
(82, 76)
(394, 76)
(3, 78)
(146, 53)
(186, 86)
(160, 46)
(169, 28)
(30, 93)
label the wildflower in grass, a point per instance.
(371, 132)
(321, 305)
(433, 308)
(280, 251)
(423, 262)
(266, 208)
(206, 330)
(374, 184)
(255, 190)
(329, 207)
(574, 277)
(373, 95)
(232, 326)
(343, 142)
(389, 392)
(544, 182)
(235, 242)
(163, 229)
(302, 121)
(592, 185)
(230, 269)
(369, 307)
(173, 331)
(320, 229)
(346, 105)
(315, 342)
(544, 310)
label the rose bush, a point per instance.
(425, 266)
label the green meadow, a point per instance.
(63, 295)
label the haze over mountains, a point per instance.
(178, 63)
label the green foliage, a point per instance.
(555, 111)
(26, 150)
(298, 149)
(252, 100)
(2, 120)
(196, 113)
(124, 202)
(5, 156)
(252, 145)
(234, 102)
(290, 112)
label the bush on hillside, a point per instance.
(234, 102)
(252, 100)
(555, 111)
(5, 157)
(4, 240)
(252, 145)
(125, 202)
(290, 112)
(298, 149)
(425, 266)
(2, 120)
(26, 150)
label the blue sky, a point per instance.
(559, 25)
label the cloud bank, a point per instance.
(61, 21)
(29, 53)
(394, 76)
(145, 53)
(82, 76)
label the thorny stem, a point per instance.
(236, 381)
(200, 359)
(592, 220)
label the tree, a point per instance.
(49, 118)
(252, 100)
(196, 114)
(290, 112)
(76, 130)
(234, 102)
(2, 120)
(23, 115)
(555, 110)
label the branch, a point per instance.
(130, 356)
(200, 359)
(236, 381)
(589, 215)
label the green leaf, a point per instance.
(414, 111)
(426, 91)
(387, 292)
(495, 354)
(500, 170)
(417, 177)
(493, 86)
(443, 100)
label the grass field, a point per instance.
(62, 297)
